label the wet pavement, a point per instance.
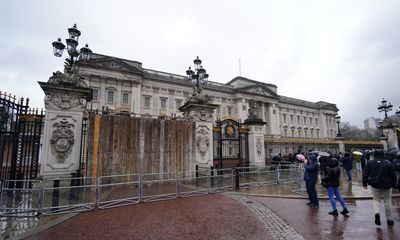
(266, 212)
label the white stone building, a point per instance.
(293, 125)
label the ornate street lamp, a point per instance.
(398, 112)
(72, 44)
(199, 76)
(337, 119)
(385, 107)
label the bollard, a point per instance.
(197, 175)
(212, 177)
(56, 193)
(237, 178)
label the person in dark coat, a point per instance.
(347, 164)
(380, 175)
(310, 177)
(331, 182)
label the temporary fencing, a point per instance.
(20, 198)
(221, 180)
(67, 195)
(118, 190)
(159, 186)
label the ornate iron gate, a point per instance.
(231, 148)
(20, 131)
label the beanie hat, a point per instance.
(313, 158)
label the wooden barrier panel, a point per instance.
(126, 145)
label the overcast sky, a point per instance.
(343, 52)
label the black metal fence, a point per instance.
(20, 132)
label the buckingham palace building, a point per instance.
(292, 125)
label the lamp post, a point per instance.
(385, 107)
(380, 125)
(72, 44)
(199, 76)
(337, 119)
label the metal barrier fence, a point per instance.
(221, 180)
(193, 183)
(67, 195)
(20, 198)
(288, 173)
(158, 186)
(118, 190)
(250, 177)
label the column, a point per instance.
(65, 101)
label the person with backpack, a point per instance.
(380, 175)
(396, 165)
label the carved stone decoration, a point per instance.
(202, 140)
(198, 115)
(64, 102)
(259, 147)
(70, 79)
(62, 140)
(254, 109)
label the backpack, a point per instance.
(396, 164)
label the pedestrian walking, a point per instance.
(380, 175)
(347, 163)
(396, 165)
(331, 182)
(310, 177)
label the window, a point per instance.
(291, 119)
(310, 120)
(305, 120)
(229, 110)
(125, 98)
(244, 107)
(146, 102)
(285, 132)
(298, 119)
(110, 96)
(178, 104)
(316, 122)
(95, 95)
(284, 118)
(163, 103)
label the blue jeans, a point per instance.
(335, 191)
(348, 171)
(312, 192)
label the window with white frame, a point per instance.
(178, 103)
(163, 103)
(147, 102)
(95, 96)
(110, 96)
(125, 98)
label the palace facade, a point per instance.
(292, 125)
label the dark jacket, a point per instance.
(387, 178)
(311, 170)
(347, 162)
(332, 176)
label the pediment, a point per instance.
(114, 64)
(258, 89)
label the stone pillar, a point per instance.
(341, 145)
(256, 135)
(202, 114)
(65, 102)
(256, 144)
